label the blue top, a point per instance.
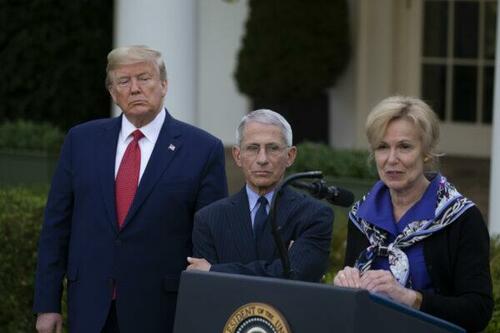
(377, 210)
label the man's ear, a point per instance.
(291, 155)
(112, 93)
(164, 88)
(237, 155)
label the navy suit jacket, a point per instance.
(222, 234)
(80, 238)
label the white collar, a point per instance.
(150, 131)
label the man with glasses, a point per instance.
(233, 235)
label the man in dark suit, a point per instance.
(233, 235)
(119, 215)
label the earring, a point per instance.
(426, 159)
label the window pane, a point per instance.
(466, 29)
(433, 87)
(435, 29)
(489, 73)
(464, 93)
(490, 29)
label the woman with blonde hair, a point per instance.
(414, 238)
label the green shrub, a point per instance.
(292, 49)
(333, 162)
(21, 214)
(494, 325)
(337, 249)
(27, 135)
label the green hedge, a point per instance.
(337, 163)
(30, 136)
(21, 213)
(494, 326)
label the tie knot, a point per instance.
(262, 200)
(137, 134)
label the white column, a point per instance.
(221, 26)
(494, 213)
(168, 26)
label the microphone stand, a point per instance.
(280, 245)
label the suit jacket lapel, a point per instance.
(240, 225)
(106, 165)
(166, 147)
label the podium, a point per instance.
(217, 302)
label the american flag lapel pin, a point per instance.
(171, 147)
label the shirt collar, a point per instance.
(253, 197)
(150, 131)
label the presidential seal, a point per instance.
(256, 318)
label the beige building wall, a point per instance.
(386, 60)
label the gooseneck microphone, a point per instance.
(288, 273)
(320, 190)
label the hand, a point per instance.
(49, 323)
(198, 263)
(347, 277)
(383, 282)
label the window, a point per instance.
(458, 59)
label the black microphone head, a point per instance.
(342, 197)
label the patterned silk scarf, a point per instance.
(450, 205)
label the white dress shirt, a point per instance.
(147, 143)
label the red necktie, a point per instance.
(127, 178)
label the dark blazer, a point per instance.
(223, 235)
(80, 238)
(457, 259)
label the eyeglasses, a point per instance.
(271, 149)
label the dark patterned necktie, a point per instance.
(259, 222)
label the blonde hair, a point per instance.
(409, 108)
(133, 54)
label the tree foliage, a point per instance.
(53, 58)
(292, 49)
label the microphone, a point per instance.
(320, 190)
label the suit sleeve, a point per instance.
(54, 237)
(213, 184)
(203, 243)
(308, 254)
